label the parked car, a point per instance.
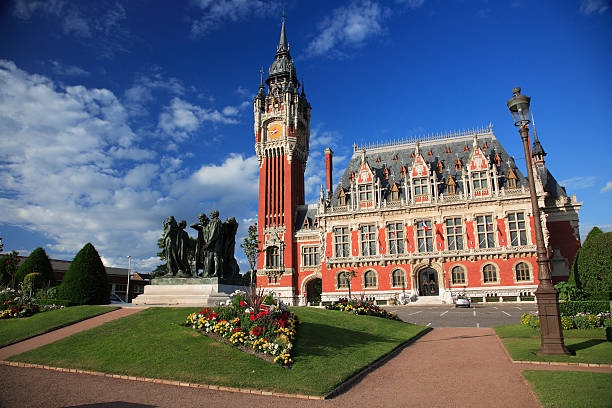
(116, 300)
(462, 301)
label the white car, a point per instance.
(116, 300)
(462, 301)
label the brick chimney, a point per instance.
(328, 169)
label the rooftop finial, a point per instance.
(537, 149)
(261, 81)
(282, 44)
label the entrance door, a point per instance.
(428, 282)
(313, 291)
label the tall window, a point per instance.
(450, 186)
(479, 178)
(458, 274)
(518, 233)
(341, 198)
(424, 236)
(395, 237)
(522, 272)
(310, 256)
(341, 242)
(366, 195)
(342, 280)
(454, 233)
(394, 192)
(273, 257)
(370, 280)
(489, 274)
(420, 186)
(368, 240)
(486, 236)
(511, 182)
(398, 278)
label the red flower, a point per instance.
(205, 311)
(242, 303)
(236, 329)
(252, 317)
(256, 331)
(212, 316)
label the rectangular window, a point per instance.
(395, 237)
(368, 240)
(424, 236)
(341, 242)
(138, 289)
(420, 186)
(480, 180)
(366, 195)
(454, 234)
(518, 231)
(484, 227)
(310, 256)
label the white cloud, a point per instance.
(590, 7)
(348, 26)
(217, 12)
(67, 70)
(607, 187)
(75, 171)
(574, 183)
(141, 92)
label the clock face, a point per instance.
(275, 130)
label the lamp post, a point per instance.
(547, 296)
(127, 293)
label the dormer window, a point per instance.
(395, 157)
(412, 155)
(306, 223)
(458, 165)
(450, 186)
(466, 148)
(403, 172)
(497, 160)
(366, 195)
(421, 188)
(440, 167)
(511, 182)
(341, 197)
(485, 146)
(352, 177)
(316, 223)
(386, 173)
(479, 183)
(447, 150)
(394, 192)
(430, 153)
(378, 159)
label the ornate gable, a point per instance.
(478, 160)
(365, 173)
(420, 168)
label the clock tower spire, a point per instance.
(282, 133)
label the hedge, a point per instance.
(57, 302)
(572, 308)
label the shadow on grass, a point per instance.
(584, 345)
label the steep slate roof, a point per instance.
(456, 147)
(305, 212)
(550, 183)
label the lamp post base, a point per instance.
(550, 322)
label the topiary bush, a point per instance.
(85, 282)
(37, 262)
(592, 267)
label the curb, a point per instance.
(359, 375)
(558, 363)
(165, 382)
(59, 327)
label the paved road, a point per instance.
(475, 316)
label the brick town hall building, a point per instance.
(431, 218)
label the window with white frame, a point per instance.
(310, 256)
(489, 274)
(424, 236)
(522, 272)
(420, 186)
(341, 242)
(454, 233)
(486, 233)
(398, 278)
(272, 257)
(368, 240)
(370, 280)
(479, 180)
(366, 195)
(395, 237)
(516, 226)
(458, 275)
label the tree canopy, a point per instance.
(37, 262)
(592, 267)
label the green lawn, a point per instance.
(571, 389)
(12, 330)
(331, 345)
(520, 330)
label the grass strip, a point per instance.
(523, 331)
(570, 389)
(14, 330)
(586, 350)
(331, 346)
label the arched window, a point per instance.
(522, 272)
(458, 275)
(272, 257)
(398, 278)
(489, 274)
(342, 280)
(370, 280)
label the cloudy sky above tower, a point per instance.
(115, 114)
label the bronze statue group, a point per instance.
(214, 254)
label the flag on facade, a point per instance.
(424, 226)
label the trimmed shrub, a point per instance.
(34, 281)
(509, 298)
(572, 308)
(592, 267)
(476, 299)
(37, 262)
(85, 282)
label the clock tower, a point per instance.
(282, 132)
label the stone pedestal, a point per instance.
(187, 291)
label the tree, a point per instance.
(85, 281)
(351, 274)
(250, 246)
(8, 269)
(592, 267)
(37, 262)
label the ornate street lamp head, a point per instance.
(519, 107)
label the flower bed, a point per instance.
(267, 331)
(361, 308)
(579, 321)
(18, 303)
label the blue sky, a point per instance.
(115, 114)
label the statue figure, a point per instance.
(170, 240)
(202, 254)
(231, 268)
(183, 250)
(215, 244)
